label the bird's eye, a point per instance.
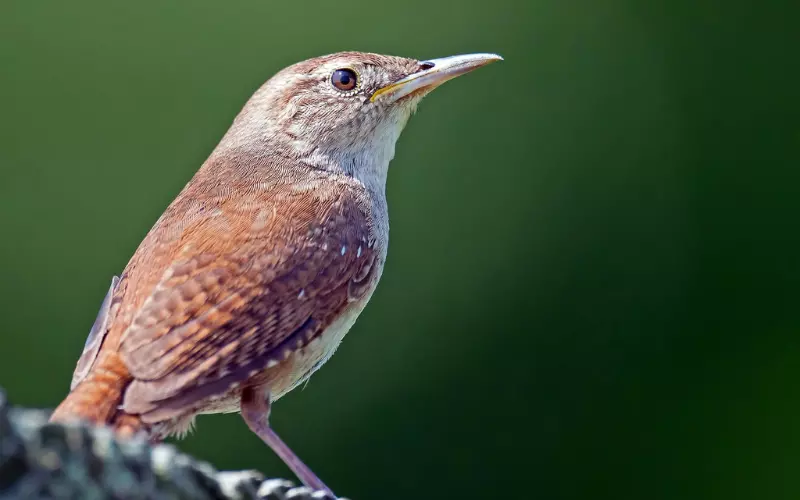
(345, 80)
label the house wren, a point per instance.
(255, 272)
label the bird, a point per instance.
(251, 277)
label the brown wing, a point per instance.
(257, 278)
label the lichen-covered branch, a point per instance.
(40, 460)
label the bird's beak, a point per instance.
(434, 72)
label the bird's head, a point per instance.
(344, 111)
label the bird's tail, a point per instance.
(97, 398)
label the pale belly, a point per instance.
(304, 362)
(298, 367)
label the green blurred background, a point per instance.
(593, 282)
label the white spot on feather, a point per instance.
(260, 221)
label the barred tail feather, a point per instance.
(96, 399)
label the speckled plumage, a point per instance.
(239, 279)
(252, 276)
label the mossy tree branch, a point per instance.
(41, 460)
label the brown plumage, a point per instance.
(225, 285)
(252, 276)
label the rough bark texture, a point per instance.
(40, 460)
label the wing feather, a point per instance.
(225, 308)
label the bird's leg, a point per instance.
(255, 411)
